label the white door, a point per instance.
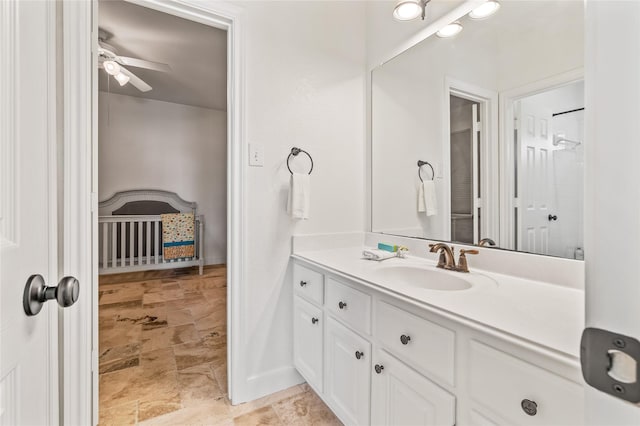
(612, 198)
(348, 361)
(401, 396)
(535, 212)
(29, 344)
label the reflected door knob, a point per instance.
(36, 293)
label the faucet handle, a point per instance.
(463, 266)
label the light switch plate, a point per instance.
(256, 155)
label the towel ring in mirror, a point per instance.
(295, 151)
(425, 163)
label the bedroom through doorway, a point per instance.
(162, 226)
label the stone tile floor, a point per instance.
(163, 356)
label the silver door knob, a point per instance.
(36, 293)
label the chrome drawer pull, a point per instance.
(342, 305)
(359, 354)
(529, 407)
(405, 339)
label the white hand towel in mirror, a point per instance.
(430, 199)
(299, 202)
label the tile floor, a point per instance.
(163, 356)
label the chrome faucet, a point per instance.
(447, 257)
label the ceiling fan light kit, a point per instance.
(114, 65)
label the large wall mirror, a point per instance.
(478, 138)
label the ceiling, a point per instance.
(196, 53)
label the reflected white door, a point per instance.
(535, 175)
(28, 344)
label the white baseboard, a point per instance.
(269, 382)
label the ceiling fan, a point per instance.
(114, 65)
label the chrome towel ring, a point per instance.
(425, 163)
(295, 151)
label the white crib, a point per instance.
(130, 231)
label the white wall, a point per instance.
(149, 144)
(305, 87)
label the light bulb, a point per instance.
(111, 67)
(485, 10)
(407, 10)
(122, 78)
(450, 30)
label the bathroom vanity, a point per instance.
(401, 342)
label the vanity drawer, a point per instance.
(308, 283)
(422, 344)
(349, 305)
(505, 384)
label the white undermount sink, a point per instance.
(425, 278)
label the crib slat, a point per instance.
(132, 240)
(114, 244)
(105, 245)
(148, 243)
(123, 243)
(157, 240)
(139, 242)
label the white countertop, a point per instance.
(544, 314)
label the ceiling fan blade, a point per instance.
(136, 81)
(141, 63)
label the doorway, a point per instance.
(162, 215)
(465, 169)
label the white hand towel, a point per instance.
(430, 200)
(421, 204)
(299, 202)
(377, 254)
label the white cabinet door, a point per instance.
(307, 341)
(402, 396)
(348, 377)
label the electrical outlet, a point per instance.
(256, 155)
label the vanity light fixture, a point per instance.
(485, 10)
(406, 10)
(450, 30)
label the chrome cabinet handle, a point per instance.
(342, 305)
(314, 320)
(359, 354)
(529, 407)
(404, 339)
(379, 368)
(303, 283)
(36, 293)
